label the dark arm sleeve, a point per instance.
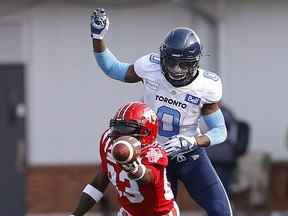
(100, 182)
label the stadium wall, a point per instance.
(70, 101)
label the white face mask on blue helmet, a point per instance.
(179, 56)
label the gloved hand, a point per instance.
(179, 144)
(99, 23)
(131, 167)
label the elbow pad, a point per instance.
(111, 66)
(217, 132)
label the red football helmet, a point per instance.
(135, 119)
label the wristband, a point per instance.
(93, 192)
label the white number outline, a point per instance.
(132, 193)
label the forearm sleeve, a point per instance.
(111, 66)
(217, 132)
(85, 204)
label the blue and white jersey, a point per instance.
(178, 109)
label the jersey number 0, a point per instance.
(169, 120)
(132, 193)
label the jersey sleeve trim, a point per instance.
(111, 66)
(213, 87)
(217, 132)
(146, 64)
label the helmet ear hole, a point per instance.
(146, 132)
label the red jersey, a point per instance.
(152, 199)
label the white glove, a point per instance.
(179, 144)
(133, 166)
(99, 23)
(130, 167)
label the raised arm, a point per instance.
(109, 64)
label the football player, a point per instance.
(143, 189)
(179, 92)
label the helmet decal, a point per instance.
(135, 119)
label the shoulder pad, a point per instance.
(154, 58)
(154, 155)
(105, 142)
(147, 65)
(212, 86)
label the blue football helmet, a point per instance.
(180, 55)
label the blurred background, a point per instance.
(55, 101)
